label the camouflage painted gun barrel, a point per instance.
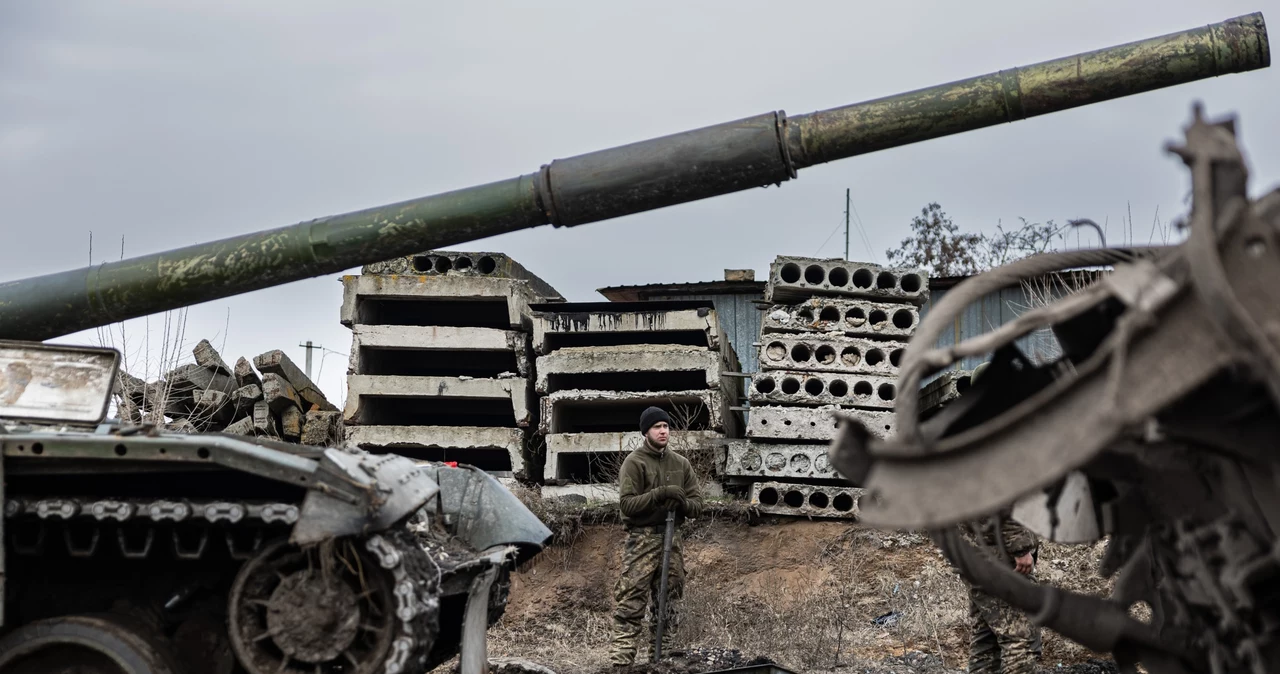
(751, 152)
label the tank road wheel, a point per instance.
(81, 644)
(356, 606)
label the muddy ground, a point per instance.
(813, 596)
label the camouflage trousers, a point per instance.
(637, 588)
(1002, 639)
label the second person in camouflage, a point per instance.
(653, 479)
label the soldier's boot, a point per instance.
(984, 650)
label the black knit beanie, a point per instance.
(652, 416)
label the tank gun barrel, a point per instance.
(698, 164)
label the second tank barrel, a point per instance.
(702, 163)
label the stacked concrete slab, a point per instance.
(831, 338)
(440, 367)
(599, 365)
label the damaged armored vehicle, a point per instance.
(1157, 427)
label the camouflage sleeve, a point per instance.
(631, 501)
(1018, 540)
(692, 492)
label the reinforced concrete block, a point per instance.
(824, 353)
(853, 317)
(593, 457)
(455, 263)
(583, 411)
(941, 391)
(629, 367)
(496, 450)
(790, 387)
(793, 461)
(397, 400)
(781, 498)
(796, 279)
(607, 323)
(438, 350)
(812, 424)
(460, 301)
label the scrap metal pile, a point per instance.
(1157, 427)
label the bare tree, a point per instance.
(937, 244)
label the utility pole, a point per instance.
(846, 223)
(308, 346)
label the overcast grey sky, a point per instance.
(170, 124)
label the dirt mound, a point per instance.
(813, 596)
(692, 661)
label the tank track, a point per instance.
(142, 530)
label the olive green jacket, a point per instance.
(646, 469)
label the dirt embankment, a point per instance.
(814, 596)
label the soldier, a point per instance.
(653, 479)
(1001, 638)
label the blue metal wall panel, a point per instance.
(990, 312)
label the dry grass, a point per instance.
(804, 593)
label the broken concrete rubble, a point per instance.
(209, 397)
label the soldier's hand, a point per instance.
(1023, 564)
(676, 504)
(672, 491)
